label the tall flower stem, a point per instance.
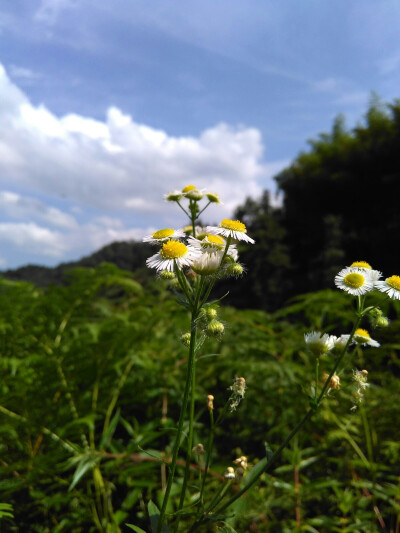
(185, 398)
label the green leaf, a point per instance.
(154, 515)
(85, 465)
(135, 528)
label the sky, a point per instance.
(107, 106)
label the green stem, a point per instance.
(175, 450)
(191, 423)
(208, 452)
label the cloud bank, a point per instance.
(72, 183)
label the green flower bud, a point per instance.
(185, 338)
(234, 269)
(166, 274)
(215, 328)
(211, 313)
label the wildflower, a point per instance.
(192, 192)
(164, 235)
(207, 264)
(339, 343)
(363, 265)
(231, 228)
(229, 473)
(391, 286)
(215, 328)
(210, 402)
(238, 389)
(355, 281)
(241, 461)
(334, 382)
(213, 198)
(173, 253)
(360, 385)
(199, 449)
(361, 336)
(318, 344)
(173, 196)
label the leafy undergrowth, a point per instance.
(90, 379)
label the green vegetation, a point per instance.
(91, 375)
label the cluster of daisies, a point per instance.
(360, 278)
(203, 250)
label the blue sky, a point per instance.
(104, 108)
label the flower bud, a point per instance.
(382, 322)
(166, 274)
(211, 313)
(234, 269)
(215, 328)
(229, 473)
(199, 449)
(210, 402)
(185, 339)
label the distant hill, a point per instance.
(129, 256)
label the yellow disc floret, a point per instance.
(173, 250)
(394, 281)
(163, 233)
(215, 239)
(188, 188)
(354, 280)
(234, 225)
(363, 333)
(361, 264)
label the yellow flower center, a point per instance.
(362, 333)
(215, 239)
(361, 264)
(233, 225)
(354, 280)
(163, 233)
(173, 250)
(188, 188)
(394, 281)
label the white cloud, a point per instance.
(17, 206)
(105, 165)
(107, 171)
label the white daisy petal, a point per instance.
(356, 281)
(231, 228)
(391, 286)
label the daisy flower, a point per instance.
(173, 253)
(391, 286)
(213, 243)
(339, 343)
(173, 196)
(213, 197)
(231, 228)
(363, 265)
(192, 192)
(361, 336)
(319, 344)
(207, 263)
(354, 280)
(164, 235)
